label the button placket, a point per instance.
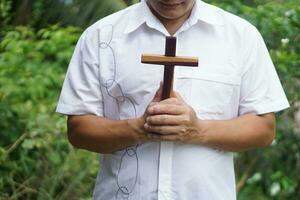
(165, 171)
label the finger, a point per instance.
(163, 130)
(172, 100)
(152, 104)
(164, 120)
(170, 109)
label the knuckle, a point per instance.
(163, 119)
(149, 120)
(187, 109)
(147, 127)
(176, 101)
(182, 109)
(148, 111)
(182, 131)
(185, 120)
(153, 109)
(152, 104)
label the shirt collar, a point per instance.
(141, 14)
(206, 13)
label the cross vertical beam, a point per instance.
(170, 50)
(169, 60)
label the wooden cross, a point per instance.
(169, 60)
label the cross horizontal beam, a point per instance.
(169, 60)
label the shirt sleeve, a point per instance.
(261, 90)
(81, 92)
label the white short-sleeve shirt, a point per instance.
(106, 78)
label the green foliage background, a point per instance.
(36, 160)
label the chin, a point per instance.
(171, 15)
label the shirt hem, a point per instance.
(67, 109)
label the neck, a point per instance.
(172, 25)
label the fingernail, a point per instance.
(147, 126)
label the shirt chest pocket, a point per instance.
(208, 93)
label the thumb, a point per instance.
(178, 96)
(158, 95)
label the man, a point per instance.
(179, 148)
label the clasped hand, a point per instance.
(170, 120)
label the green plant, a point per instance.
(5, 7)
(36, 160)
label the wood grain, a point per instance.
(169, 60)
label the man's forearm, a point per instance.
(245, 132)
(103, 135)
